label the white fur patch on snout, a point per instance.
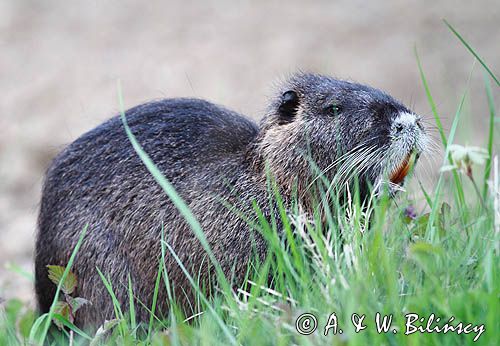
(406, 132)
(406, 119)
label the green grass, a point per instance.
(443, 261)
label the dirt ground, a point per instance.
(60, 62)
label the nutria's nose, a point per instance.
(405, 122)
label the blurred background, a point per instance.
(60, 62)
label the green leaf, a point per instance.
(63, 309)
(77, 303)
(421, 225)
(55, 275)
(445, 209)
(106, 327)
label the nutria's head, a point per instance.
(345, 131)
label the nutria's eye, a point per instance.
(288, 106)
(335, 109)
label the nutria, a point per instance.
(213, 157)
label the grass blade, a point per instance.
(459, 191)
(219, 321)
(435, 113)
(491, 106)
(71, 326)
(133, 323)
(473, 52)
(155, 298)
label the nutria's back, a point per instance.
(214, 158)
(100, 180)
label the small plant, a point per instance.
(69, 305)
(463, 158)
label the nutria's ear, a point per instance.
(288, 106)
